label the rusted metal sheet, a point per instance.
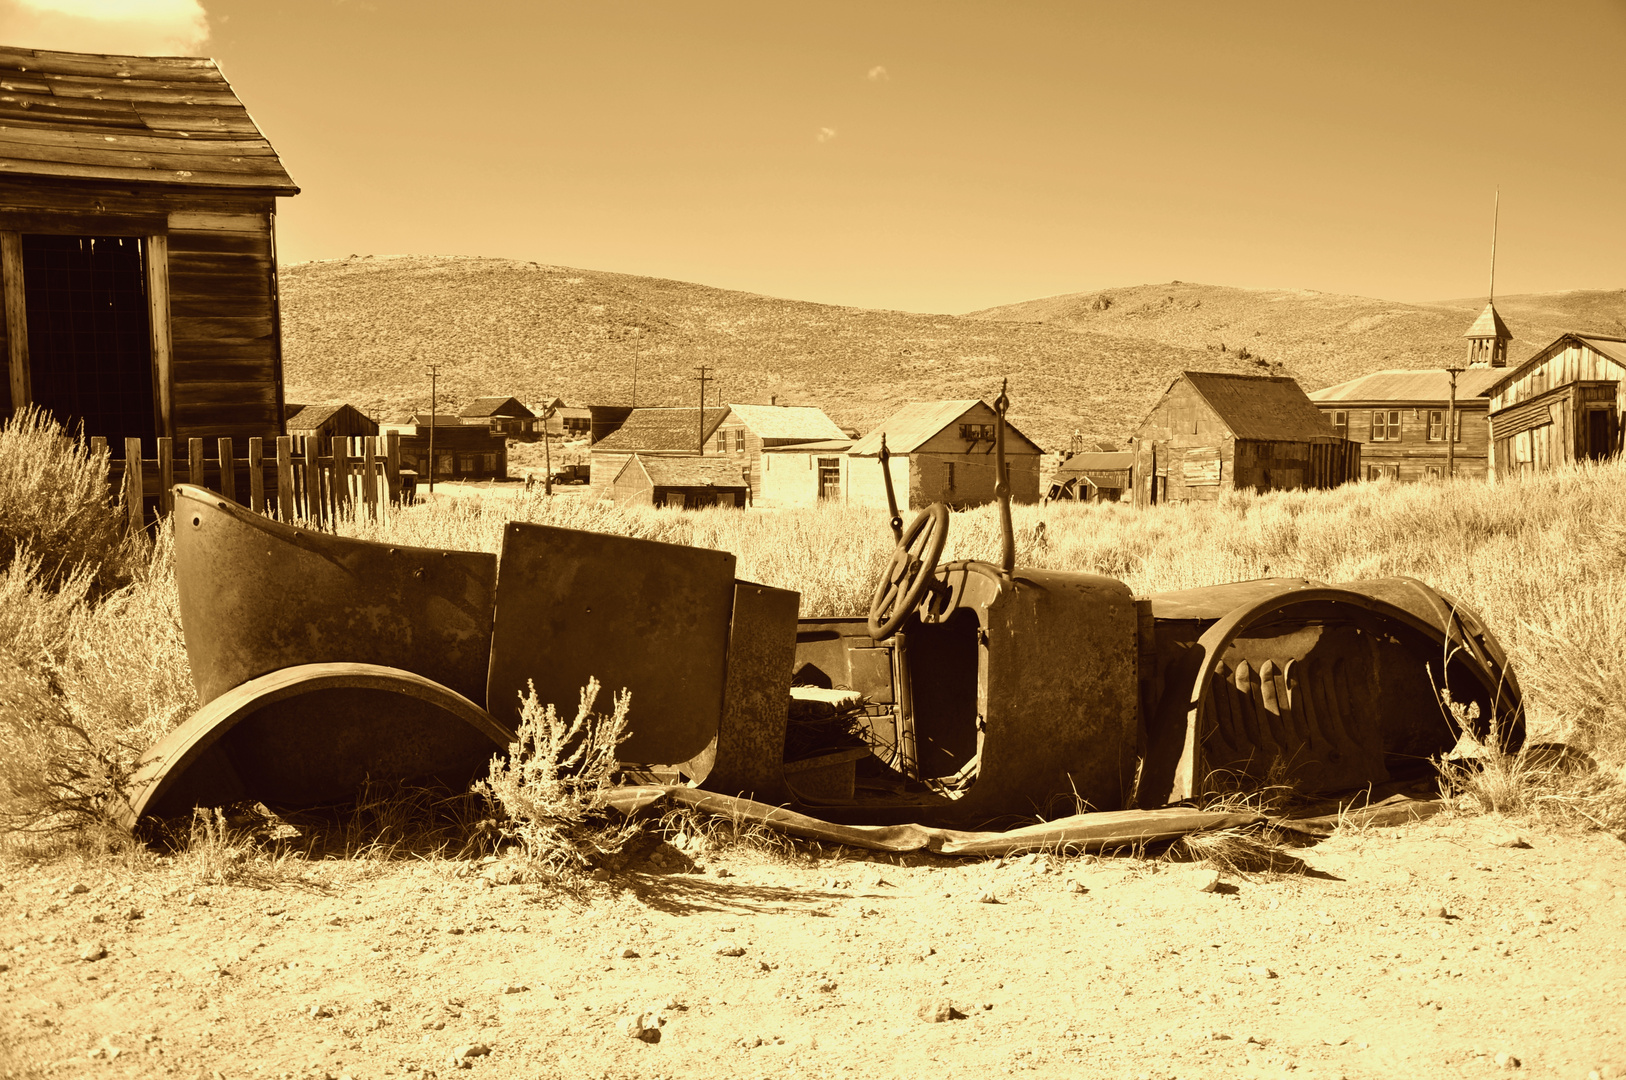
(257, 596)
(649, 617)
(311, 734)
(748, 755)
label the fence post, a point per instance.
(166, 475)
(194, 464)
(228, 467)
(341, 476)
(369, 485)
(392, 465)
(134, 503)
(285, 478)
(313, 481)
(256, 474)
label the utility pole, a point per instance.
(634, 380)
(704, 379)
(547, 452)
(1451, 428)
(434, 372)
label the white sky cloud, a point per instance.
(133, 27)
(878, 74)
(825, 134)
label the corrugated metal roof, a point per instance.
(683, 471)
(916, 423)
(1271, 408)
(661, 429)
(488, 406)
(804, 422)
(1489, 325)
(158, 119)
(1429, 384)
(1087, 463)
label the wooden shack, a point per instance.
(748, 430)
(1093, 476)
(1213, 431)
(651, 432)
(942, 451)
(461, 452)
(506, 416)
(332, 421)
(1400, 420)
(1562, 405)
(684, 482)
(137, 248)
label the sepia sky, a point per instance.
(932, 156)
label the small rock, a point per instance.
(98, 918)
(472, 1050)
(92, 952)
(514, 988)
(826, 987)
(1260, 971)
(730, 950)
(194, 900)
(1509, 840)
(987, 898)
(1435, 910)
(1505, 1060)
(939, 1010)
(1204, 881)
(1074, 887)
(722, 871)
(751, 1042)
(629, 954)
(320, 1012)
(78, 888)
(133, 914)
(644, 1026)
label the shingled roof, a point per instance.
(688, 472)
(1270, 408)
(484, 407)
(661, 429)
(312, 417)
(161, 119)
(1489, 325)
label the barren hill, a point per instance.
(365, 330)
(1319, 338)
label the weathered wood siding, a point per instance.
(1183, 450)
(631, 487)
(1572, 362)
(1414, 456)
(1540, 419)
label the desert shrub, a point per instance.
(55, 501)
(551, 791)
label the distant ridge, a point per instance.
(364, 330)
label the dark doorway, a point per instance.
(89, 347)
(1598, 443)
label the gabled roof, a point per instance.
(312, 417)
(1271, 408)
(1489, 325)
(684, 471)
(482, 407)
(170, 120)
(804, 423)
(823, 446)
(1612, 347)
(422, 419)
(1087, 464)
(1396, 385)
(912, 426)
(661, 429)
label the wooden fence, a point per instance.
(358, 475)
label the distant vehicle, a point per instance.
(572, 474)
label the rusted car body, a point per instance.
(986, 694)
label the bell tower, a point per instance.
(1489, 335)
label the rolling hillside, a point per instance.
(365, 330)
(1319, 338)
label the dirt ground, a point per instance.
(757, 965)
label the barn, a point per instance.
(687, 482)
(1214, 431)
(1564, 404)
(942, 451)
(138, 248)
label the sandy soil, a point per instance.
(762, 966)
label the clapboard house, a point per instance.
(1400, 418)
(505, 416)
(137, 248)
(1211, 432)
(941, 451)
(1562, 405)
(652, 432)
(460, 451)
(748, 431)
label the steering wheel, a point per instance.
(910, 571)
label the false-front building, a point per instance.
(137, 248)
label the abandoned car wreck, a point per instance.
(975, 696)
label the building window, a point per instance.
(1436, 425)
(829, 478)
(722, 442)
(1340, 423)
(739, 440)
(1385, 425)
(1382, 472)
(977, 432)
(465, 463)
(490, 463)
(1433, 472)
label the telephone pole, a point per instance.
(434, 372)
(704, 379)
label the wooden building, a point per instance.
(803, 474)
(748, 430)
(505, 416)
(462, 451)
(1562, 405)
(685, 482)
(1210, 432)
(1093, 476)
(137, 248)
(1400, 419)
(331, 421)
(652, 432)
(942, 451)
